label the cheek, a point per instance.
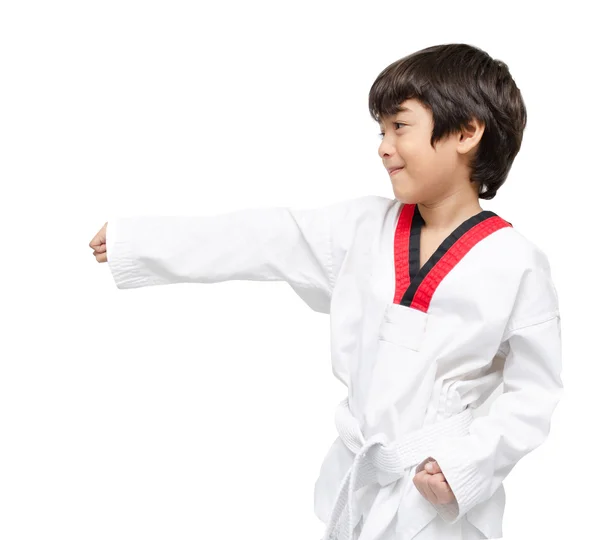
(413, 153)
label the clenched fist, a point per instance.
(98, 244)
(432, 484)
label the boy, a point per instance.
(433, 303)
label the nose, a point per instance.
(385, 150)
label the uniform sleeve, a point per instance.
(302, 247)
(519, 419)
(110, 236)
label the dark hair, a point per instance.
(457, 82)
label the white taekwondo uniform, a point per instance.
(419, 349)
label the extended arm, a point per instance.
(299, 246)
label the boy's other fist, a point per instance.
(432, 484)
(98, 244)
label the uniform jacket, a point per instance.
(419, 349)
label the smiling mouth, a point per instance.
(394, 171)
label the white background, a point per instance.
(204, 411)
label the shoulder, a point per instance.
(536, 295)
(524, 252)
(524, 270)
(367, 203)
(360, 210)
(519, 252)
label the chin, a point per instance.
(406, 197)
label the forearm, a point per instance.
(518, 422)
(271, 244)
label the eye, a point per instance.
(381, 134)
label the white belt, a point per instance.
(386, 463)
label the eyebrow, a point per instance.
(401, 109)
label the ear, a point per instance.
(470, 136)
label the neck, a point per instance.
(451, 210)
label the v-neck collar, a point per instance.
(415, 240)
(407, 246)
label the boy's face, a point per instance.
(428, 174)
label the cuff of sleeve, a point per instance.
(465, 480)
(126, 272)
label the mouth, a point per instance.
(395, 170)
